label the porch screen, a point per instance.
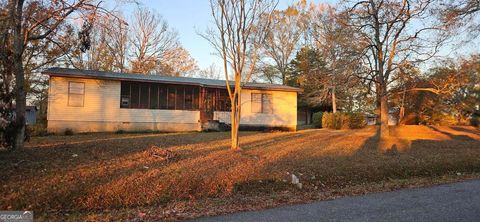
(136, 95)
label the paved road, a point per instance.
(451, 202)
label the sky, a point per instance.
(188, 18)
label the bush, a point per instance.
(68, 132)
(317, 119)
(39, 130)
(357, 121)
(327, 120)
(475, 121)
(120, 132)
(442, 120)
(341, 120)
(333, 120)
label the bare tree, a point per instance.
(177, 62)
(30, 24)
(211, 72)
(392, 32)
(283, 36)
(333, 38)
(461, 14)
(151, 39)
(238, 33)
(117, 41)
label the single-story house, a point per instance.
(94, 101)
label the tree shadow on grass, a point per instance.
(451, 135)
(471, 130)
(118, 173)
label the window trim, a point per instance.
(254, 101)
(266, 95)
(69, 93)
(263, 95)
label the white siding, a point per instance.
(102, 104)
(284, 110)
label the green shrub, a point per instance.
(68, 132)
(340, 120)
(317, 119)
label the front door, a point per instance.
(208, 104)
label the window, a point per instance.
(267, 103)
(158, 96)
(76, 93)
(262, 103)
(163, 97)
(256, 102)
(180, 100)
(171, 98)
(144, 96)
(189, 98)
(125, 95)
(135, 95)
(196, 98)
(223, 101)
(154, 96)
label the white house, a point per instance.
(94, 101)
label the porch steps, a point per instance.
(215, 126)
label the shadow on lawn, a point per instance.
(119, 174)
(451, 135)
(467, 130)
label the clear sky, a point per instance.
(188, 17)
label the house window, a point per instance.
(125, 95)
(262, 103)
(223, 101)
(189, 98)
(158, 96)
(171, 98)
(135, 95)
(267, 103)
(196, 98)
(180, 100)
(144, 96)
(154, 96)
(163, 97)
(76, 93)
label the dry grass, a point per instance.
(107, 176)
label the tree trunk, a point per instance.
(235, 118)
(384, 132)
(334, 100)
(378, 112)
(20, 100)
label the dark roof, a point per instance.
(79, 73)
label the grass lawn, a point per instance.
(117, 176)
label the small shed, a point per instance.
(31, 115)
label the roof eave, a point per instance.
(70, 75)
